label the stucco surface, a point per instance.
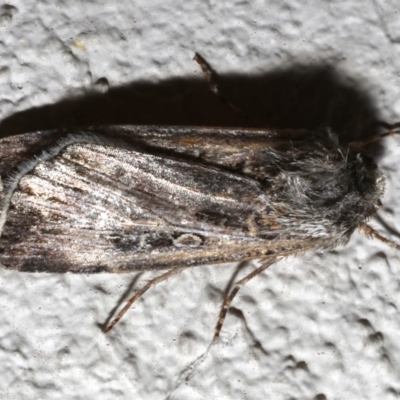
(324, 325)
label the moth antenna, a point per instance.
(108, 326)
(231, 295)
(210, 76)
(360, 144)
(369, 231)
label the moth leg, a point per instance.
(210, 75)
(137, 294)
(231, 295)
(371, 232)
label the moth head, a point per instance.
(377, 186)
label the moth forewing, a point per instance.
(132, 207)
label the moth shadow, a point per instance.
(311, 97)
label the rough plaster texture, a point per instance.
(320, 326)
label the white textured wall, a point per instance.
(321, 326)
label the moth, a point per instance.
(136, 198)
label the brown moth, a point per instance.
(137, 198)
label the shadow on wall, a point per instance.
(300, 97)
